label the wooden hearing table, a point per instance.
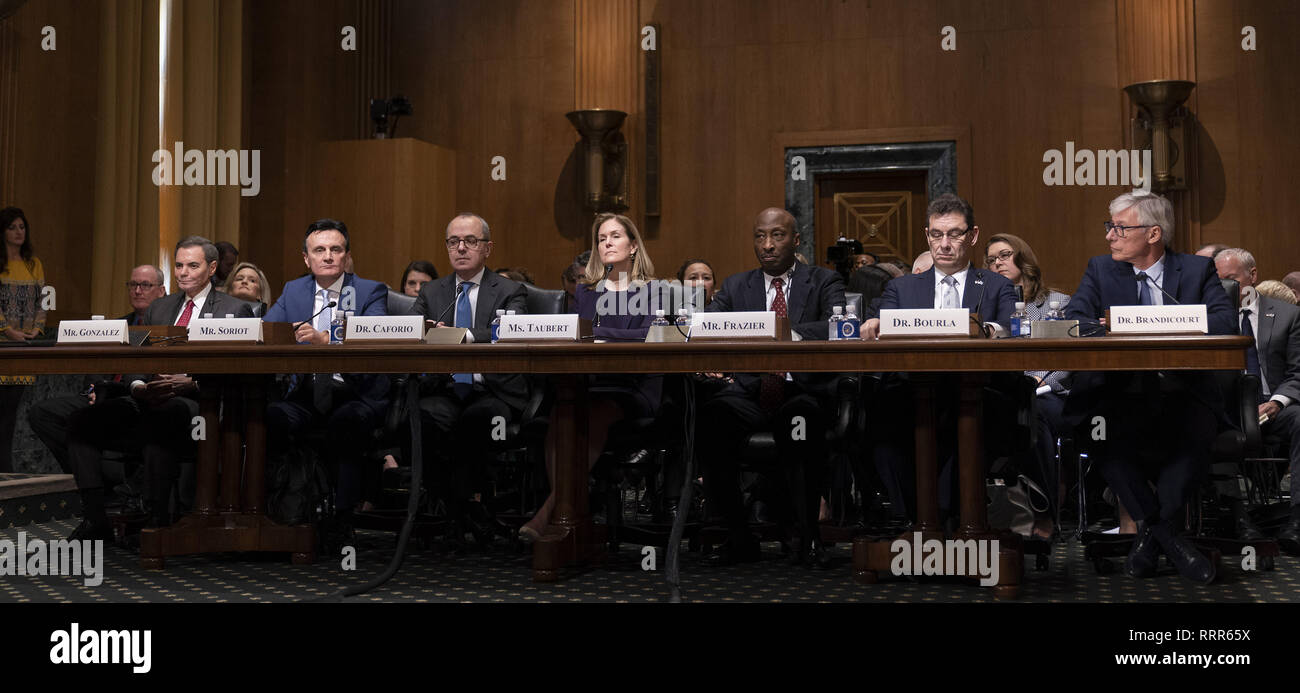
(229, 524)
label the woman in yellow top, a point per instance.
(21, 318)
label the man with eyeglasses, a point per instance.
(457, 409)
(49, 417)
(347, 406)
(952, 282)
(1160, 426)
(144, 287)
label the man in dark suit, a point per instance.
(1275, 326)
(154, 410)
(951, 282)
(1160, 427)
(349, 407)
(457, 410)
(750, 402)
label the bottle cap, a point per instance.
(659, 312)
(96, 317)
(501, 311)
(838, 309)
(1020, 305)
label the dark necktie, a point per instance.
(1144, 292)
(1252, 353)
(772, 385)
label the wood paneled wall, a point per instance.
(48, 152)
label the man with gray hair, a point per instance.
(1275, 360)
(1292, 281)
(1160, 427)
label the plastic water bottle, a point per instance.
(837, 317)
(660, 320)
(687, 314)
(337, 328)
(851, 326)
(1054, 311)
(496, 324)
(1020, 321)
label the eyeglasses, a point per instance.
(470, 242)
(1122, 230)
(1004, 256)
(140, 286)
(952, 234)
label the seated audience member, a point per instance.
(952, 282)
(893, 268)
(922, 263)
(415, 276)
(228, 257)
(569, 278)
(517, 274)
(697, 272)
(1292, 281)
(1011, 257)
(456, 410)
(145, 286)
(863, 259)
(1160, 426)
(617, 278)
(247, 282)
(347, 406)
(744, 403)
(157, 410)
(22, 316)
(1275, 326)
(870, 281)
(1277, 291)
(49, 417)
(1211, 250)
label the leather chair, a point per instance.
(541, 301)
(399, 304)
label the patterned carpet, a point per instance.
(502, 574)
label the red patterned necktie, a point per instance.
(772, 385)
(185, 315)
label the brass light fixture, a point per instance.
(1164, 126)
(606, 157)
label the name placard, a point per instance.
(247, 330)
(1186, 319)
(93, 332)
(534, 327)
(734, 325)
(925, 322)
(388, 328)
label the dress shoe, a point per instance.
(1142, 557)
(637, 457)
(810, 553)
(1289, 537)
(1243, 527)
(731, 553)
(88, 531)
(529, 535)
(1190, 562)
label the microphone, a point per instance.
(1143, 276)
(979, 274)
(459, 288)
(331, 304)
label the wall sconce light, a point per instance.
(1164, 126)
(606, 157)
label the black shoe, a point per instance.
(1142, 557)
(810, 553)
(90, 531)
(1289, 537)
(1243, 527)
(731, 553)
(636, 457)
(1189, 561)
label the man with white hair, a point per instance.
(1160, 426)
(1275, 359)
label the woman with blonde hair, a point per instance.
(247, 282)
(614, 294)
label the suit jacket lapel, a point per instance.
(1173, 279)
(1266, 323)
(970, 298)
(483, 313)
(800, 287)
(927, 289)
(756, 292)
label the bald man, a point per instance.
(922, 263)
(747, 402)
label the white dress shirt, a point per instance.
(1157, 274)
(199, 301)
